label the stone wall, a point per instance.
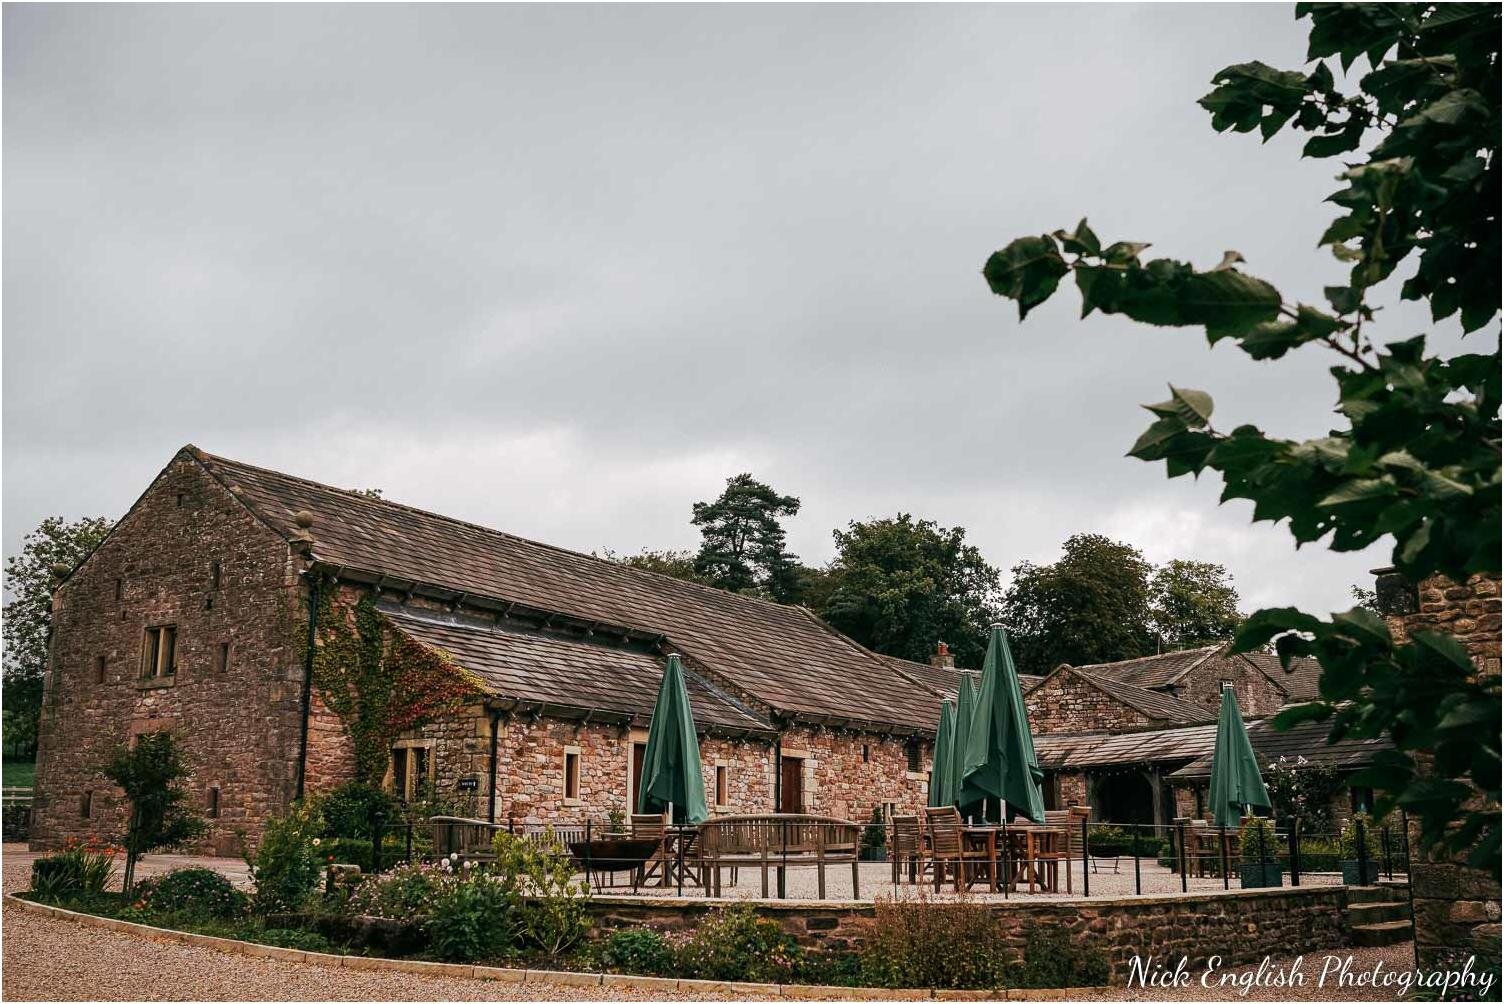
(1257, 695)
(1241, 926)
(238, 723)
(1065, 702)
(1456, 907)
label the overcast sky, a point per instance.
(563, 270)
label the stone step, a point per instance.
(1390, 932)
(1377, 913)
(1376, 894)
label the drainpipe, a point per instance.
(491, 800)
(313, 627)
(778, 774)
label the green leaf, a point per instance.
(1192, 407)
(1228, 301)
(1445, 647)
(1124, 252)
(1079, 241)
(1027, 270)
(1344, 299)
(1365, 624)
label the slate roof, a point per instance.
(567, 674)
(1308, 740)
(1153, 703)
(941, 682)
(1154, 670)
(782, 656)
(1065, 751)
(1164, 670)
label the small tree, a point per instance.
(743, 548)
(1193, 603)
(148, 772)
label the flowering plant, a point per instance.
(80, 867)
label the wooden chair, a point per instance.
(908, 850)
(948, 848)
(650, 826)
(1070, 819)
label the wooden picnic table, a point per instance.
(1033, 854)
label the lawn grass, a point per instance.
(19, 773)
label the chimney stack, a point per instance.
(942, 657)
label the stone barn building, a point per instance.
(526, 673)
(296, 636)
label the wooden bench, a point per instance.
(777, 841)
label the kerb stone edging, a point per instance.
(794, 991)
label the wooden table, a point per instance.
(1208, 855)
(1033, 854)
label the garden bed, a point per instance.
(513, 974)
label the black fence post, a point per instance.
(408, 859)
(1388, 860)
(588, 835)
(1263, 852)
(1185, 859)
(1226, 864)
(679, 853)
(1138, 883)
(1007, 864)
(376, 835)
(1295, 852)
(1085, 859)
(1362, 849)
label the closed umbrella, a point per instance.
(671, 774)
(966, 701)
(1236, 781)
(945, 751)
(1000, 760)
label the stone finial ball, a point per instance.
(61, 569)
(303, 518)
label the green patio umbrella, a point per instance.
(945, 752)
(966, 700)
(671, 776)
(1000, 760)
(1236, 781)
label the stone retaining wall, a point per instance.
(1241, 926)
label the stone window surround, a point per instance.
(578, 755)
(152, 649)
(430, 769)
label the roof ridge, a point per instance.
(629, 570)
(1208, 649)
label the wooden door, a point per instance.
(639, 758)
(791, 785)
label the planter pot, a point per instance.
(1352, 873)
(873, 854)
(1263, 876)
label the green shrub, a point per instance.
(734, 943)
(348, 809)
(1052, 959)
(290, 937)
(287, 863)
(553, 917)
(79, 869)
(472, 918)
(640, 951)
(357, 851)
(922, 943)
(1349, 839)
(1318, 854)
(193, 892)
(405, 893)
(1258, 838)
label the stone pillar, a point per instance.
(1456, 907)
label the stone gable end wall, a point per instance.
(1067, 703)
(1258, 697)
(239, 726)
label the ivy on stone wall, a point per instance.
(381, 682)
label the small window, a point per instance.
(159, 652)
(86, 805)
(571, 775)
(119, 590)
(222, 657)
(1362, 800)
(911, 754)
(399, 773)
(182, 499)
(213, 575)
(866, 753)
(722, 785)
(99, 669)
(211, 803)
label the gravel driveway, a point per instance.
(50, 959)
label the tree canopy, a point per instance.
(1416, 456)
(900, 585)
(743, 540)
(55, 546)
(1192, 603)
(674, 564)
(1090, 606)
(150, 773)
